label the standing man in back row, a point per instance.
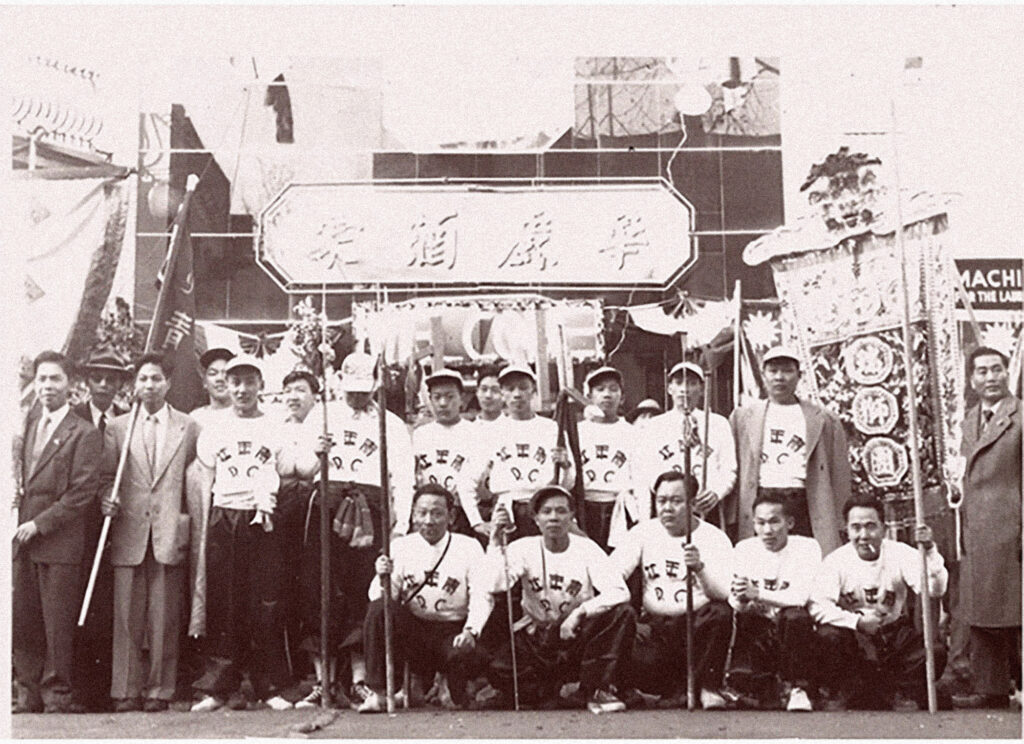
(793, 449)
(990, 574)
(666, 438)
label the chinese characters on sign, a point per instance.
(349, 234)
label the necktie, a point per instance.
(102, 425)
(149, 441)
(986, 416)
(42, 434)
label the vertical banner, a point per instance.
(173, 328)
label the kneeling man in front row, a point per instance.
(773, 574)
(870, 649)
(439, 603)
(659, 548)
(577, 623)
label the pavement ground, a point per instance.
(442, 724)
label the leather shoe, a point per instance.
(977, 701)
(21, 707)
(155, 705)
(127, 705)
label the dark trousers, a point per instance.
(785, 646)
(425, 645)
(597, 657)
(289, 523)
(351, 570)
(659, 654)
(870, 669)
(598, 515)
(995, 659)
(44, 610)
(243, 618)
(93, 642)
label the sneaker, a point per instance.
(798, 700)
(238, 701)
(313, 700)
(373, 703)
(207, 705)
(360, 693)
(903, 704)
(605, 701)
(278, 703)
(711, 700)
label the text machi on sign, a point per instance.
(352, 235)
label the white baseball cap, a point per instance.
(445, 375)
(780, 352)
(357, 373)
(516, 369)
(682, 367)
(605, 371)
(243, 361)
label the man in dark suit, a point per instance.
(105, 374)
(990, 585)
(149, 540)
(58, 475)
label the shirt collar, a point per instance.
(96, 412)
(160, 415)
(56, 417)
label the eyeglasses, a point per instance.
(670, 501)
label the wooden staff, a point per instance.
(691, 689)
(511, 621)
(325, 534)
(915, 457)
(385, 521)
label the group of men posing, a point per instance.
(217, 523)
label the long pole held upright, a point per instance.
(385, 524)
(325, 535)
(915, 456)
(190, 186)
(691, 686)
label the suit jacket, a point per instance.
(991, 513)
(56, 493)
(828, 478)
(152, 504)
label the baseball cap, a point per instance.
(243, 361)
(445, 375)
(516, 369)
(600, 372)
(357, 373)
(780, 352)
(545, 492)
(682, 367)
(211, 355)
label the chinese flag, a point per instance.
(174, 318)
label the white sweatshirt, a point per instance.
(783, 578)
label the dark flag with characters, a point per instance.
(173, 331)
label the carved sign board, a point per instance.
(355, 235)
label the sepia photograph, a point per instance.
(513, 371)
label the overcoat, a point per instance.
(828, 470)
(991, 514)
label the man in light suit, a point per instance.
(990, 574)
(59, 455)
(793, 449)
(149, 540)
